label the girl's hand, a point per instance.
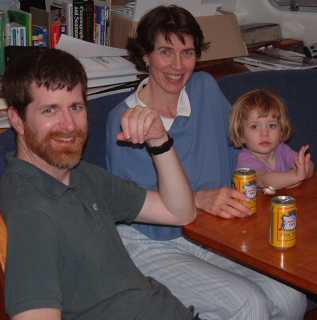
(303, 164)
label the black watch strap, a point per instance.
(167, 145)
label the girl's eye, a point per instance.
(253, 126)
(273, 125)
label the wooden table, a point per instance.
(246, 240)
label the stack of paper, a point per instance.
(104, 65)
(4, 122)
(277, 59)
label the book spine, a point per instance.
(13, 41)
(2, 41)
(39, 36)
(8, 34)
(89, 20)
(22, 36)
(63, 28)
(78, 19)
(68, 13)
(100, 24)
(55, 33)
(23, 18)
(107, 25)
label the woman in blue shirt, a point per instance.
(194, 111)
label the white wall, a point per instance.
(297, 25)
(9, 4)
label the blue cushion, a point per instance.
(7, 144)
(296, 87)
(98, 110)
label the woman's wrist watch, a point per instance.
(164, 147)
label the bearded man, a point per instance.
(65, 258)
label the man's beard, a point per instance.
(64, 156)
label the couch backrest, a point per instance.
(7, 143)
(98, 110)
(298, 88)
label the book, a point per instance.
(100, 22)
(55, 33)
(67, 12)
(254, 33)
(108, 23)
(22, 36)
(2, 41)
(89, 21)
(40, 27)
(13, 34)
(22, 18)
(40, 36)
(78, 19)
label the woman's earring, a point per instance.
(147, 67)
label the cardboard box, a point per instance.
(221, 31)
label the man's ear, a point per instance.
(16, 121)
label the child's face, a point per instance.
(261, 135)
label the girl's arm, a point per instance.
(303, 169)
(278, 180)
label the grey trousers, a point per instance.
(217, 287)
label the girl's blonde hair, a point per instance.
(265, 102)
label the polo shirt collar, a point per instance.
(183, 105)
(39, 179)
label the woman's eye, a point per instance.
(165, 52)
(189, 53)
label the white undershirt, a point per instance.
(183, 105)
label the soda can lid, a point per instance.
(244, 171)
(283, 200)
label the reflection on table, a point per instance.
(246, 240)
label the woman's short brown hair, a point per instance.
(265, 102)
(165, 20)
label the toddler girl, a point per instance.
(259, 124)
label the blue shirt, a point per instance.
(200, 140)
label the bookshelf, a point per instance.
(87, 20)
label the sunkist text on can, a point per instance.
(282, 233)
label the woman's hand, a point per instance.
(142, 124)
(223, 202)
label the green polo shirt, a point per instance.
(64, 251)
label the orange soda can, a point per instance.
(244, 180)
(282, 233)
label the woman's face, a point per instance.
(171, 63)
